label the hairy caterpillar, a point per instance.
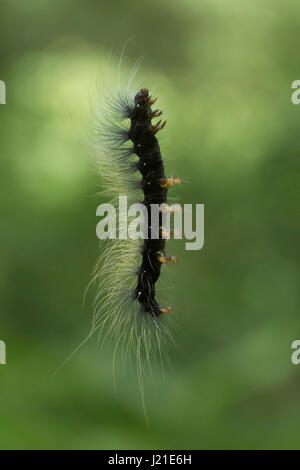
(125, 308)
(128, 270)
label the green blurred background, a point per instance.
(223, 74)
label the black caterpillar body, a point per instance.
(150, 164)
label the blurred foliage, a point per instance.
(223, 74)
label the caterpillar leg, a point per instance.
(155, 113)
(166, 310)
(158, 126)
(150, 101)
(163, 258)
(169, 182)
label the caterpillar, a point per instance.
(127, 271)
(155, 186)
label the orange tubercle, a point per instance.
(166, 310)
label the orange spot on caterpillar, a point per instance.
(169, 182)
(166, 310)
(163, 258)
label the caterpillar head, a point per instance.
(141, 98)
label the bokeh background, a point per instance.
(223, 74)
